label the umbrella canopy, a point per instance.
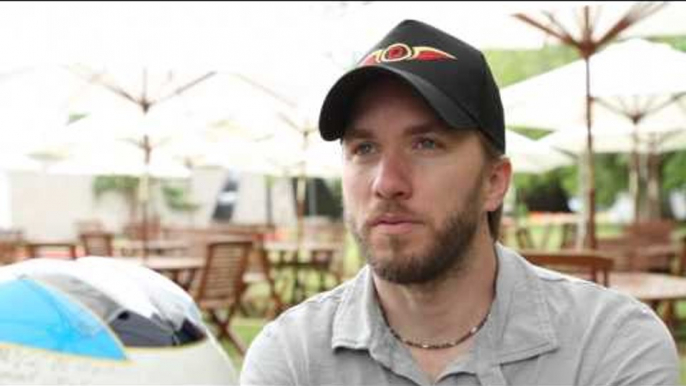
(625, 94)
(147, 112)
(498, 25)
(529, 156)
(644, 147)
(573, 140)
(296, 148)
(153, 62)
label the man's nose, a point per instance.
(393, 178)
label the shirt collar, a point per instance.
(519, 325)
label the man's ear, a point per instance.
(497, 183)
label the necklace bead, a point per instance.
(438, 346)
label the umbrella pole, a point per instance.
(268, 183)
(654, 199)
(145, 196)
(590, 235)
(300, 198)
(587, 46)
(302, 186)
(188, 163)
(144, 217)
(635, 178)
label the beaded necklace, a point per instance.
(438, 346)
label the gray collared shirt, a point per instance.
(544, 328)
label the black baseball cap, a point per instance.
(452, 77)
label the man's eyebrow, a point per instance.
(427, 128)
(357, 133)
(418, 129)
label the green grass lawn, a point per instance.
(247, 329)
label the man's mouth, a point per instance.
(393, 223)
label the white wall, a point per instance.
(251, 207)
(48, 206)
(205, 186)
(5, 201)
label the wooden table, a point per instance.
(180, 269)
(56, 249)
(153, 247)
(649, 286)
(307, 256)
(652, 288)
(667, 256)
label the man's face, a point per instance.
(413, 189)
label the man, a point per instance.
(441, 302)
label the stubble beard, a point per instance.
(448, 254)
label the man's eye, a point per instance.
(426, 143)
(363, 148)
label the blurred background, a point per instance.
(157, 129)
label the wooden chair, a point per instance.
(649, 242)
(97, 243)
(326, 259)
(135, 230)
(681, 266)
(11, 243)
(51, 249)
(671, 309)
(221, 285)
(658, 230)
(259, 270)
(90, 225)
(569, 235)
(524, 238)
(325, 243)
(633, 253)
(589, 265)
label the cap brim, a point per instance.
(338, 103)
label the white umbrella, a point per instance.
(627, 96)
(150, 58)
(626, 93)
(294, 148)
(573, 140)
(489, 25)
(18, 161)
(587, 34)
(649, 144)
(150, 110)
(529, 156)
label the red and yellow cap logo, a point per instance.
(397, 52)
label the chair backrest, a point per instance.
(681, 265)
(586, 264)
(11, 241)
(524, 238)
(569, 235)
(221, 281)
(636, 253)
(90, 225)
(658, 230)
(51, 249)
(97, 243)
(152, 229)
